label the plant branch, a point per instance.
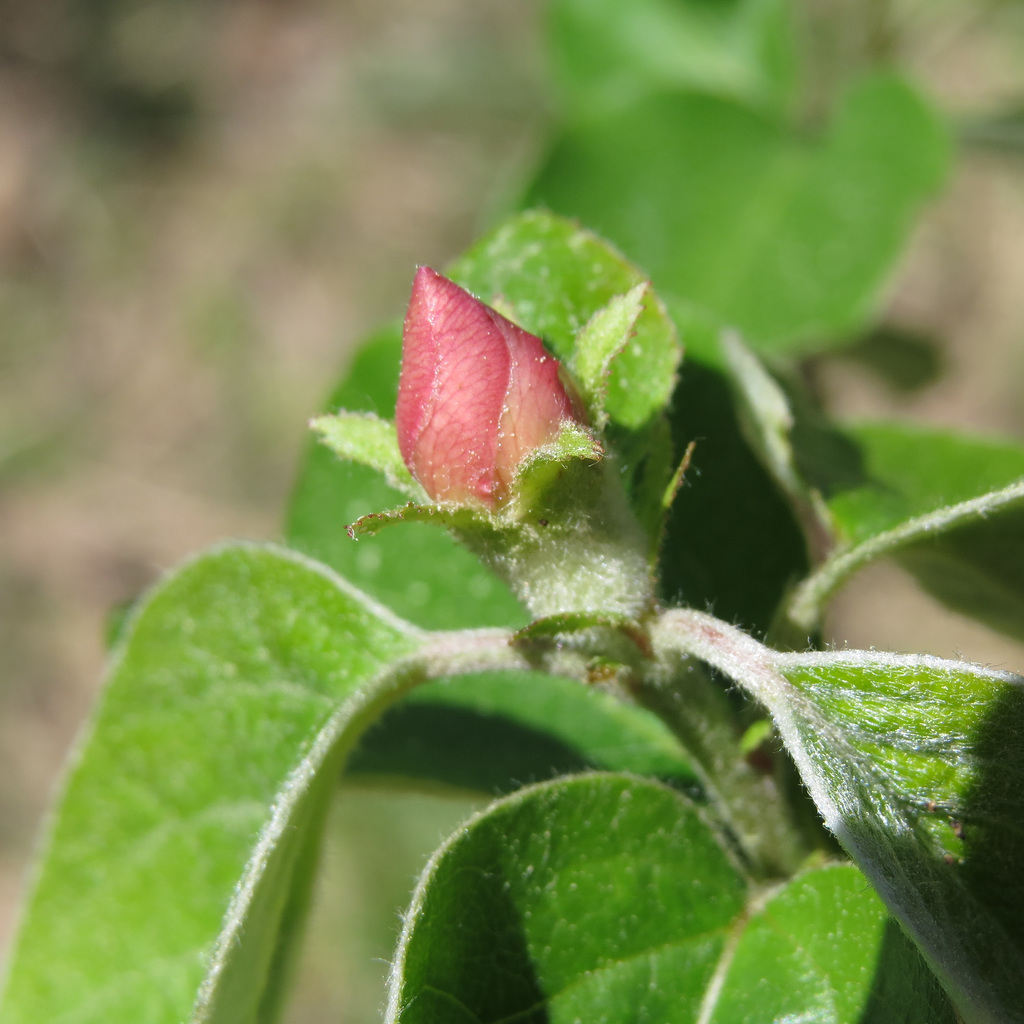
(699, 712)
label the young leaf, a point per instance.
(439, 516)
(915, 764)
(739, 220)
(593, 898)
(605, 336)
(178, 861)
(768, 424)
(606, 898)
(572, 442)
(950, 507)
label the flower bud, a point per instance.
(477, 394)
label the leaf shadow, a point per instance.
(461, 747)
(993, 815)
(826, 458)
(732, 543)
(904, 990)
(488, 972)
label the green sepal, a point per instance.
(371, 441)
(542, 469)
(536, 473)
(574, 622)
(464, 518)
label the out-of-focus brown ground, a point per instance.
(204, 206)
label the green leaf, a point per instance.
(976, 569)
(572, 442)
(605, 336)
(766, 413)
(551, 277)
(566, 901)
(795, 444)
(179, 859)
(822, 948)
(607, 898)
(916, 766)
(439, 516)
(416, 568)
(493, 733)
(606, 54)
(370, 441)
(742, 221)
(950, 507)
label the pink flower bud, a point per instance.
(477, 394)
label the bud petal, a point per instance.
(477, 394)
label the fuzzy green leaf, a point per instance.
(916, 766)
(180, 856)
(370, 441)
(564, 902)
(949, 507)
(823, 948)
(438, 516)
(769, 419)
(551, 277)
(606, 898)
(771, 427)
(605, 336)
(740, 220)
(571, 442)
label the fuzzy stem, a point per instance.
(679, 690)
(571, 543)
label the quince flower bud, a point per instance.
(477, 394)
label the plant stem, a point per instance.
(751, 802)
(676, 687)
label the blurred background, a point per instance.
(204, 204)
